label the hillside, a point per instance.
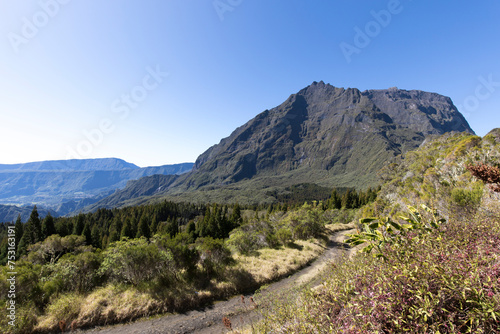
(9, 213)
(333, 137)
(436, 175)
(67, 186)
(423, 275)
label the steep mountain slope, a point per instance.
(145, 187)
(324, 135)
(65, 186)
(343, 133)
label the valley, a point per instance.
(252, 210)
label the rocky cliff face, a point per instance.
(334, 131)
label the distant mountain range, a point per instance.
(329, 136)
(65, 186)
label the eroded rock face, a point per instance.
(329, 129)
(329, 136)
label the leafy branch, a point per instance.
(378, 232)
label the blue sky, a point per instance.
(158, 82)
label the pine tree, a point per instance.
(32, 232)
(335, 200)
(154, 224)
(96, 237)
(347, 200)
(126, 231)
(79, 225)
(19, 230)
(236, 215)
(87, 233)
(143, 228)
(48, 227)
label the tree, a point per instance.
(79, 225)
(126, 231)
(143, 228)
(32, 232)
(48, 227)
(95, 235)
(236, 215)
(19, 230)
(335, 200)
(87, 233)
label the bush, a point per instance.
(307, 222)
(468, 197)
(185, 256)
(135, 261)
(75, 272)
(214, 255)
(284, 235)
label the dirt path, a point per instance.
(209, 319)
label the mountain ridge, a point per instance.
(329, 136)
(64, 186)
(71, 165)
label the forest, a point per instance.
(169, 250)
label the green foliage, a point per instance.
(135, 261)
(214, 254)
(468, 197)
(284, 235)
(32, 232)
(307, 222)
(143, 229)
(243, 241)
(52, 248)
(48, 227)
(74, 273)
(185, 257)
(379, 233)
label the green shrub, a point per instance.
(467, 197)
(135, 261)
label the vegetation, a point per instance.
(117, 265)
(418, 274)
(444, 281)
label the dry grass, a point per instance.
(119, 303)
(271, 264)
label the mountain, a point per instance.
(9, 213)
(68, 185)
(330, 136)
(71, 165)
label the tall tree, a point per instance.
(143, 228)
(19, 230)
(32, 232)
(126, 231)
(79, 224)
(48, 227)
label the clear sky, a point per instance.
(159, 81)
